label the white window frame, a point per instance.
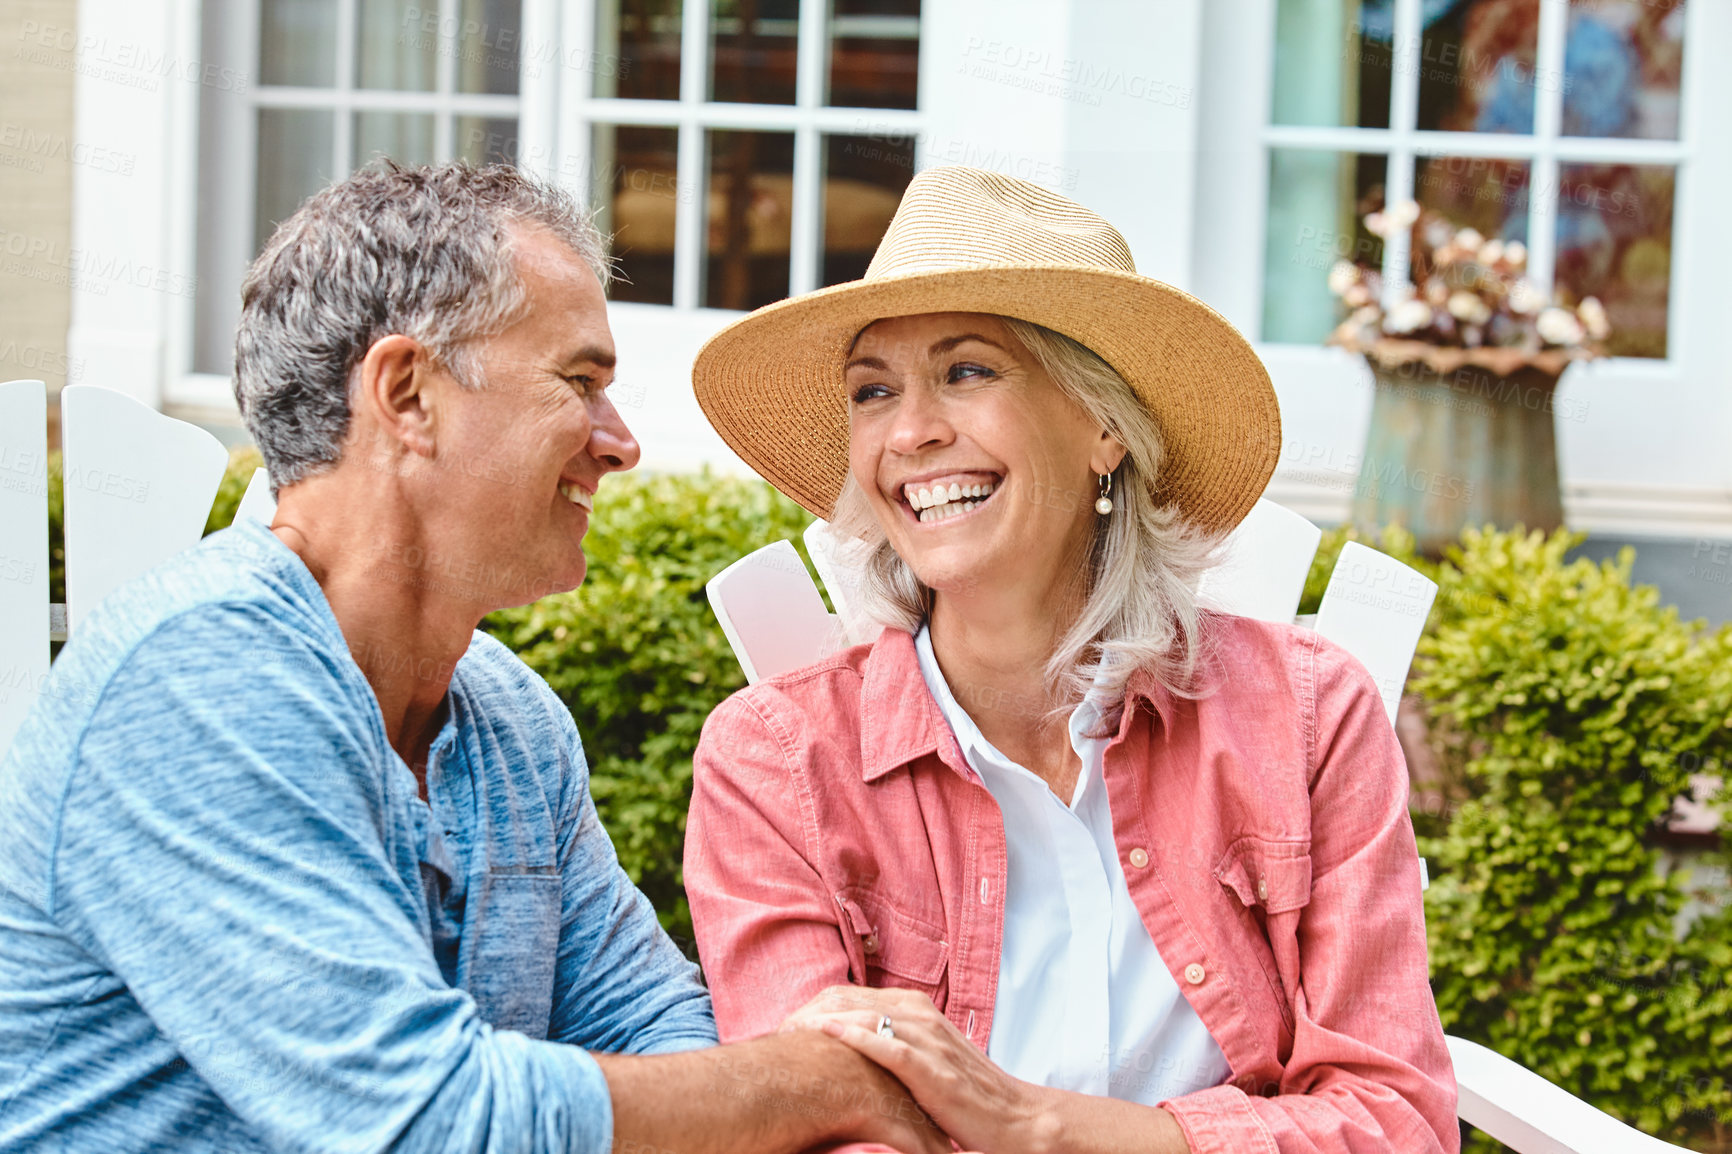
(1665, 480)
(694, 114)
(534, 108)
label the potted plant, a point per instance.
(1465, 357)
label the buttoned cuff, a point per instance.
(1221, 1120)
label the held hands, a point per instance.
(977, 1103)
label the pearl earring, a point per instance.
(1104, 504)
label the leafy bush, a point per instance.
(638, 657)
(1573, 709)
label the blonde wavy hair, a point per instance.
(1139, 588)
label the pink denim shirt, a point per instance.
(837, 836)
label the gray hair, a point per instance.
(1140, 607)
(428, 252)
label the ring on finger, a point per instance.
(885, 1029)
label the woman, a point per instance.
(1085, 867)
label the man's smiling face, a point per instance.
(521, 457)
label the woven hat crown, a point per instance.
(957, 218)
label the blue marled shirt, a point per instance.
(228, 922)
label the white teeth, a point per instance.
(575, 494)
(944, 501)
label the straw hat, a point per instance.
(967, 240)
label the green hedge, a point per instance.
(1568, 709)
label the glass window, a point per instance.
(1477, 67)
(489, 42)
(397, 46)
(294, 161)
(874, 53)
(1332, 64)
(1591, 223)
(637, 49)
(1615, 243)
(1316, 204)
(1623, 64)
(636, 197)
(302, 40)
(864, 177)
(748, 220)
(753, 48)
(458, 62)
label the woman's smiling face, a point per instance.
(976, 464)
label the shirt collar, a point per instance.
(900, 724)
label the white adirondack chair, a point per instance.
(1375, 607)
(138, 488)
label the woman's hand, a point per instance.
(977, 1104)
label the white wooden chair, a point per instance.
(1375, 607)
(138, 489)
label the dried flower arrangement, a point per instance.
(1469, 302)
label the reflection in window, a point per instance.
(397, 46)
(1477, 67)
(1615, 243)
(1317, 201)
(752, 50)
(1331, 64)
(1486, 194)
(864, 177)
(489, 40)
(487, 139)
(748, 218)
(874, 53)
(637, 49)
(635, 193)
(294, 161)
(1623, 63)
(298, 42)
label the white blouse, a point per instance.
(1084, 1001)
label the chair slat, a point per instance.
(771, 612)
(23, 551)
(139, 487)
(1530, 1115)
(257, 501)
(1263, 565)
(1375, 608)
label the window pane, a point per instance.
(752, 49)
(1486, 194)
(487, 139)
(1316, 204)
(748, 218)
(1332, 63)
(298, 42)
(1615, 243)
(637, 53)
(396, 45)
(295, 146)
(406, 137)
(1476, 66)
(864, 177)
(874, 53)
(489, 39)
(1622, 65)
(636, 197)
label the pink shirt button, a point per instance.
(1139, 857)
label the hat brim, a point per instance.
(771, 382)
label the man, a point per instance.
(305, 862)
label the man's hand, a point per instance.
(772, 1095)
